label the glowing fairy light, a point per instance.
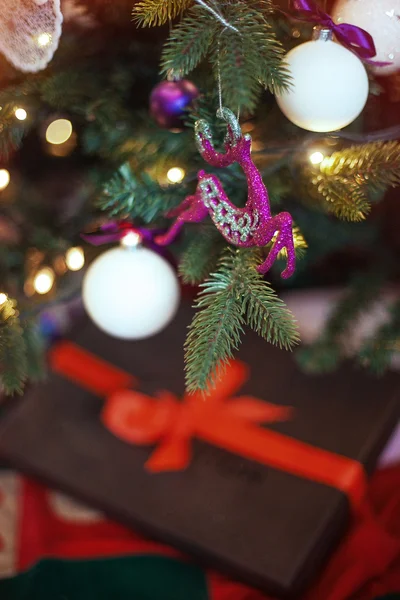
(3, 298)
(4, 179)
(59, 131)
(316, 158)
(175, 175)
(44, 280)
(75, 259)
(43, 40)
(131, 239)
(21, 114)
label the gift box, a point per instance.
(259, 480)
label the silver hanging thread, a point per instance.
(219, 82)
(217, 15)
(226, 25)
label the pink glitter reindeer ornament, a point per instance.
(252, 225)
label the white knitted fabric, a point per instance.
(29, 32)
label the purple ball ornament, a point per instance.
(170, 100)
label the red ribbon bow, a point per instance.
(233, 424)
(217, 418)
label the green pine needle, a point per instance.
(233, 295)
(13, 357)
(378, 350)
(129, 196)
(376, 164)
(342, 198)
(35, 349)
(262, 53)
(188, 43)
(347, 179)
(200, 257)
(150, 13)
(245, 60)
(321, 357)
(267, 314)
(239, 86)
(364, 289)
(12, 131)
(325, 353)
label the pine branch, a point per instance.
(12, 131)
(245, 59)
(13, 358)
(128, 196)
(342, 197)
(200, 257)
(377, 352)
(375, 164)
(325, 354)
(216, 329)
(264, 53)
(188, 43)
(347, 179)
(363, 290)
(266, 314)
(35, 350)
(233, 295)
(239, 86)
(320, 357)
(150, 13)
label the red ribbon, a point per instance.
(219, 419)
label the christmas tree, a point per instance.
(82, 154)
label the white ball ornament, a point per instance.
(131, 293)
(381, 18)
(329, 85)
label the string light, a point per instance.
(3, 298)
(131, 239)
(316, 158)
(59, 131)
(20, 113)
(43, 39)
(175, 175)
(44, 280)
(4, 179)
(75, 258)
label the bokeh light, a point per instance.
(316, 158)
(4, 179)
(75, 258)
(175, 175)
(59, 131)
(21, 114)
(44, 280)
(131, 239)
(44, 39)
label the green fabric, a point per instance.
(123, 578)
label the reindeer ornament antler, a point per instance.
(252, 225)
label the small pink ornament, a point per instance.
(252, 225)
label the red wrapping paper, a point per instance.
(365, 566)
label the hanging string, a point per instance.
(217, 15)
(219, 82)
(226, 25)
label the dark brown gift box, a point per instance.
(267, 527)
